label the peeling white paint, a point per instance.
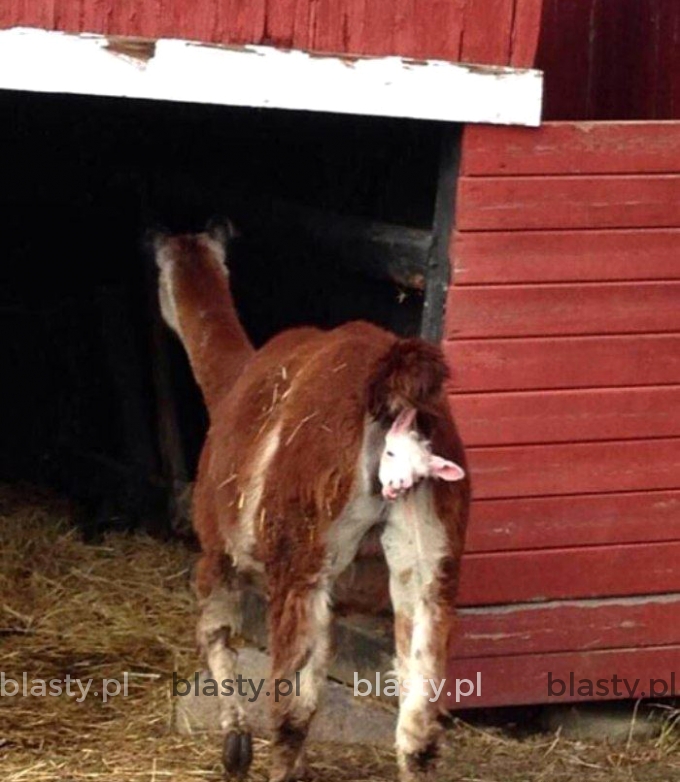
(261, 76)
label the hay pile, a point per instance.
(91, 611)
(95, 611)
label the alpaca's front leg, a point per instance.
(416, 549)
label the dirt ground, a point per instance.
(95, 611)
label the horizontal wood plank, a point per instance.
(183, 70)
(565, 362)
(564, 625)
(521, 203)
(373, 248)
(575, 520)
(523, 679)
(565, 256)
(575, 468)
(569, 573)
(567, 416)
(573, 148)
(540, 310)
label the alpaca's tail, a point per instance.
(410, 374)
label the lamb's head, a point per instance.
(407, 459)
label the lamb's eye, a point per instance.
(389, 453)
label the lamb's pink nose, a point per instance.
(389, 492)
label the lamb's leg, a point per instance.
(417, 553)
(300, 619)
(220, 621)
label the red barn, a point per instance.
(556, 249)
(562, 325)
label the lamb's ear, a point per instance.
(446, 470)
(404, 421)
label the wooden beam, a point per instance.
(376, 249)
(266, 77)
(439, 263)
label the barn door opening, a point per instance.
(340, 217)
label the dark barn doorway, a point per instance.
(336, 217)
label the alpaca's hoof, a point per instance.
(419, 766)
(237, 753)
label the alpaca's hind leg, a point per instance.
(300, 619)
(418, 555)
(220, 621)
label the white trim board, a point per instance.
(261, 76)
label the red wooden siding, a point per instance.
(564, 148)
(563, 334)
(587, 202)
(520, 523)
(565, 256)
(524, 678)
(538, 310)
(610, 59)
(564, 362)
(427, 29)
(576, 468)
(569, 624)
(579, 572)
(527, 417)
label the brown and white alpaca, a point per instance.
(314, 439)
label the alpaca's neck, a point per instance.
(202, 308)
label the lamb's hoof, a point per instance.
(237, 753)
